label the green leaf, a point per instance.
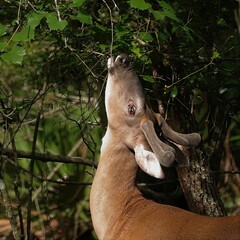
(168, 11)
(28, 31)
(148, 79)
(54, 23)
(84, 18)
(3, 30)
(140, 4)
(26, 34)
(103, 47)
(221, 22)
(174, 92)
(145, 36)
(137, 51)
(15, 55)
(2, 45)
(166, 6)
(215, 55)
(34, 19)
(171, 15)
(158, 15)
(77, 3)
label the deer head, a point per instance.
(132, 121)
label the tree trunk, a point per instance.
(198, 185)
(197, 179)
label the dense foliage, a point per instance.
(53, 71)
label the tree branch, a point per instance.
(47, 157)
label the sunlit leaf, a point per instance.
(3, 30)
(158, 15)
(168, 11)
(165, 5)
(84, 18)
(216, 55)
(2, 45)
(171, 15)
(77, 3)
(26, 34)
(148, 79)
(34, 19)
(103, 47)
(174, 92)
(137, 51)
(28, 31)
(15, 55)
(54, 23)
(140, 4)
(145, 36)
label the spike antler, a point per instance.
(164, 152)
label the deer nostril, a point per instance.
(123, 60)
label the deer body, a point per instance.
(119, 211)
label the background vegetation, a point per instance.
(53, 71)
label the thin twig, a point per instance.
(112, 27)
(47, 157)
(57, 10)
(31, 169)
(55, 169)
(237, 16)
(189, 75)
(80, 59)
(61, 181)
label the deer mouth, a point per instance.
(110, 62)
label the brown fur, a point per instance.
(119, 211)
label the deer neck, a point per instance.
(113, 188)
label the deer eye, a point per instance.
(131, 110)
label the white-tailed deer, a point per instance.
(119, 211)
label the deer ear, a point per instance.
(148, 162)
